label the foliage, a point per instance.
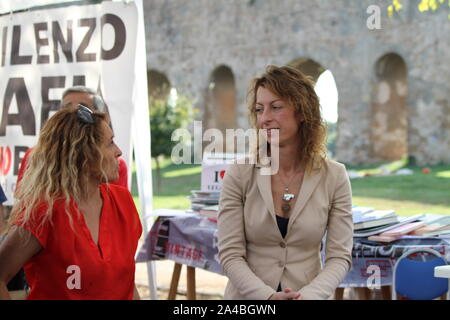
(423, 6)
(166, 118)
(331, 137)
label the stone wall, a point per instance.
(188, 40)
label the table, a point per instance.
(191, 239)
(443, 272)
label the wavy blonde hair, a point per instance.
(59, 167)
(296, 89)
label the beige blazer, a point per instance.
(254, 255)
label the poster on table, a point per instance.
(189, 239)
(42, 52)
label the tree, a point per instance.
(331, 137)
(165, 117)
(423, 6)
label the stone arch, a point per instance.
(158, 85)
(327, 91)
(220, 111)
(389, 114)
(309, 67)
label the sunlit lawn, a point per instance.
(177, 181)
(407, 195)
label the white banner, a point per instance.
(43, 52)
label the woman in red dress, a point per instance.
(74, 233)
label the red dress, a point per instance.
(71, 265)
(123, 171)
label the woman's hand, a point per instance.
(300, 297)
(286, 294)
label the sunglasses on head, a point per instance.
(85, 115)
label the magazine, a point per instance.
(378, 230)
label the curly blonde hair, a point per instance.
(60, 166)
(296, 89)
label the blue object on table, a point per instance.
(414, 279)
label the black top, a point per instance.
(282, 225)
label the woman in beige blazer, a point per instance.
(271, 227)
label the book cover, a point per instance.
(436, 225)
(428, 229)
(361, 210)
(437, 233)
(431, 218)
(375, 223)
(403, 229)
(358, 212)
(382, 238)
(214, 208)
(378, 230)
(373, 215)
(205, 194)
(203, 200)
(210, 211)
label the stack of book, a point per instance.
(205, 202)
(386, 226)
(397, 232)
(210, 211)
(434, 225)
(383, 225)
(366, 218)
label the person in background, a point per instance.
(271, 226)
(74, 233)
(70, 99)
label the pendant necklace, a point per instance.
(287, 197)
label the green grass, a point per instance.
(443, 174)
(177, 181)
(376, 168)
(407, 195)
(189, 171)
(416, 193)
